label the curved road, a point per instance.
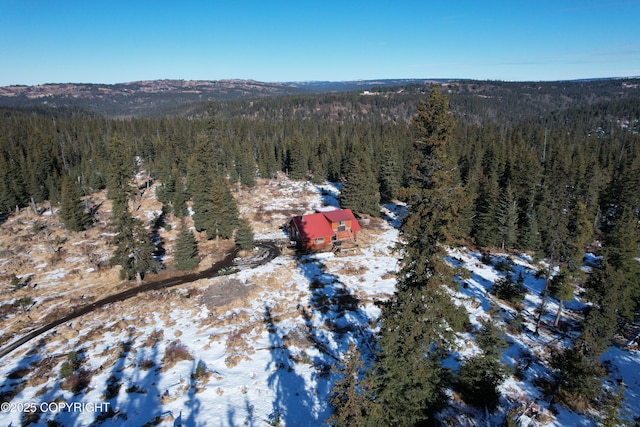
(269, 252)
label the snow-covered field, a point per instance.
(266, 355)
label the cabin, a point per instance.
(324, 230)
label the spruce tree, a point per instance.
(71, 207)
(224, 211)
(186, 253)
(360, 191)
(420, 320)
(613, 410)
(244, 235)
(351, 397)
(120, 172)
(390, 171)
(179, 200)
(200, 172)
(485, 228)
(580, 375)
(297, 158)
(134, 250)
(507, 218)
(479, 379)
(580, 230)
(561, 288)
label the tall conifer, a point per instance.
(133, 250)
(360, 191)
(186, 253)
(419, 321)
(71, 207)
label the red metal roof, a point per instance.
(313, 226)
(318, 225)
(343, 215)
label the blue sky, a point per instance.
(113, 41)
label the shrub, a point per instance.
(113, 388)
(147, 364)
(16, 283)
(174, 353)
(580, 378)
(505, 288)
(23, 302)
(70, 365)
(201, 373)
(506, 266)
(479, 379)
(77, 381)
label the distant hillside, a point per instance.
(162, 97)
(391, 99)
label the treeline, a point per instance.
(38, 148)
(522, 180)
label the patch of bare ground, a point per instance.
(352, 269)
(59, 271)
(238, 347)
(256, 204)
(225, 292)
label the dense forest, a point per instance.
(551, 169)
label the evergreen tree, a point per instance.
(419, 321)
(479, 379)
(507, 218)
(408, 377)
(485, 229)
(491, 340)
(200, 173)
(613, 409)
(71, 207)
(134, 251)
(561, 288)
(580, 376)
(390, 171)
(186, 253)
(351, 397)
(529, 236)
(179, 200)
(120, 173)
(224, 219)
(297, 159)
(247, 168)
(580, 230)
(244, 235)
(360, 191)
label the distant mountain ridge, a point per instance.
(151, 97)
(474, 99)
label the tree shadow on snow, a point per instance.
(293, 402)
(334, 319)
(329, 193)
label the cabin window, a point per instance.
(318, 241)
(342, 226)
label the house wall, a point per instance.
(313, 245)
(346, 234)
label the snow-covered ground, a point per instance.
(266, 355)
